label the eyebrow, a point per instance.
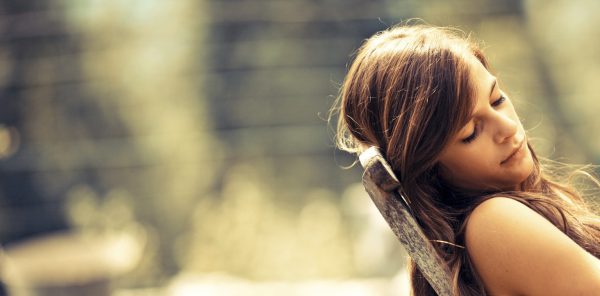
(493, 86)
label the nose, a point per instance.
(506, 127)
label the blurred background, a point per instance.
(182, 147)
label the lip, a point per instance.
(514, 152)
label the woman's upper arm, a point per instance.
(517, 251)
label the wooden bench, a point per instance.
(382, 185)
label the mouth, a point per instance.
(514, 152)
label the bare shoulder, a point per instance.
(515, 250)
(501, 213)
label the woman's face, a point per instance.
(490, 151)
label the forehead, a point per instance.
(480, 78)
(480, 84)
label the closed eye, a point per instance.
(472, 136)
(499, 101)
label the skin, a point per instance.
(515, 250)
(479, 164)
(518, 252)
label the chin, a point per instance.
(517, 176)
(525, 170)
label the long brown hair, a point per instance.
(408, 93)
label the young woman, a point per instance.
(426, 98)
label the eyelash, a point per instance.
(499, 101)
(473, 135)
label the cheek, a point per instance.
(473, 169)
(473, 157)
(462, 167)
(468, 166)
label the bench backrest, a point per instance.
(382, 185)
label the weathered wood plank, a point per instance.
(382, 185)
